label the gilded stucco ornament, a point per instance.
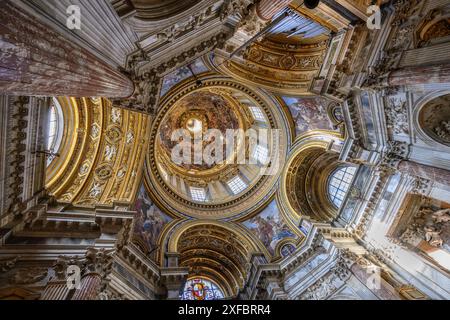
(97, 163)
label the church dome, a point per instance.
(214, 153)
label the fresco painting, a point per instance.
(269, 227)
(181, 74)
(309, 114)
(149, 222)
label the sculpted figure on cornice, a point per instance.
(238, 8)
(430, 225)
(333, 280)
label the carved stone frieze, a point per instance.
(396, 152)
(428, 225)
(421, 186)
(396, 111)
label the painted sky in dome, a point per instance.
(181, 74)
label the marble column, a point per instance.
(35, 60)
(439, 73)
(266, 9)
(438, 175)
(89, 287)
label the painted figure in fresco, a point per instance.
(149, 221)
(309, 114)
(180, 74)
(270, 228)
(264, 229)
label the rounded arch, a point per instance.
(102, 148)
(218, 250)
(338, 184)
(78, 119)
(427, 119)
(240, 232)
(260, 184)
(434, 27)
(311, 160)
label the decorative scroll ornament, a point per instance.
(421, 186)
(397, 151)
(397, 115)
(8, 264)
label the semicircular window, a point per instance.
(201, 289)
(339, 183)
(55, 129)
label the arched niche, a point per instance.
(432, 119)
(219, 251)
(304, 181)
(434, 28)
(99, 155)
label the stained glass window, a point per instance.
(339, 184)
(201, 289)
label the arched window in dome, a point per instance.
(55, 129)
(287, 250)
(257, 114)
(198, 194)
(201, 289)
(237, 185)
(339, 183)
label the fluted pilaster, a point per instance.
(89, 287)
(266, 9)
